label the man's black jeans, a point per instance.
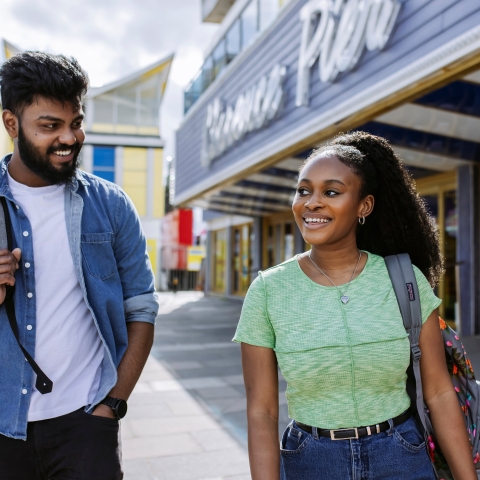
(77, 446)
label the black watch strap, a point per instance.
(118, 406)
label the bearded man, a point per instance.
(83, 287)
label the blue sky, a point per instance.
(112, 38)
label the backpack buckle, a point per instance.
(416, 352)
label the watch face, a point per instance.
(121, 408)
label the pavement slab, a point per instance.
(203, 465)
(174, 428)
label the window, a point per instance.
(219, 58)
(268, 12)
(104, 163)
(207, 73)
(257, 16)
(249, 23)
(103, 109)
(233, 41)
(194, 91)
(127, 106)
(149, 100)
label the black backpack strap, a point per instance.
(405, 286)
(43, 384)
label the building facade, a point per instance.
(406, 70)
(123, 143)
(7, 50)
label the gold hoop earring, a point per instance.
(361, 221)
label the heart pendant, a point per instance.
(344, 299)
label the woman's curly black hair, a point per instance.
(399, 222)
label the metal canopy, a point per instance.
(435, 133)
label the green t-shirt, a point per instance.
(345, 365)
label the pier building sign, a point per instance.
(336, 32)
(252, 110)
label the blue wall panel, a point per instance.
(104, 162)
(104, 156)
(423, 26)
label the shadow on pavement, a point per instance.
(193, 341)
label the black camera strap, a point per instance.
(43, 384)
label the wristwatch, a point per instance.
(118, 406)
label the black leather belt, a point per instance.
(352, 433)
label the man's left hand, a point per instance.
(8, 267)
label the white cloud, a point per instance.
(112, 38)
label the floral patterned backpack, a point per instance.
(459, 366)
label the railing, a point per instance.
(255, 17)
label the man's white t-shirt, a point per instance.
(68, 347)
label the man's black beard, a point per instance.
(41, 166)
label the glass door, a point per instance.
(279, 244)
(241, 259)
(440, 194)
(219, 259)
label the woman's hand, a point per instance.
(8, 267)
(441, 399)
(261, 384)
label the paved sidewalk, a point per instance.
(187, 415)
(170, 432)
(168, 435)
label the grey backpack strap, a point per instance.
(406, 290)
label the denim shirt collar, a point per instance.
(5, 191)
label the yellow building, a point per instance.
(123, 142)
(7, 50)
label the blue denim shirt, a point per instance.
(110, 258)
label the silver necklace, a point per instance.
(344, 298)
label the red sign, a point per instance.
(177, 235)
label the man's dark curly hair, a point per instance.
(29, 75)
(399, 222)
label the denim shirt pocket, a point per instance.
(98, 254)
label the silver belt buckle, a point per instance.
(332, 434)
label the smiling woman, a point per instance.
(330, 320)
(354, 182)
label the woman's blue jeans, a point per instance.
(397, 454)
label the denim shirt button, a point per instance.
(25, 234)
(27, 265)
(29, 327)
(17, 206)
(24, 391)
(29, 294)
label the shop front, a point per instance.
(406, 70)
